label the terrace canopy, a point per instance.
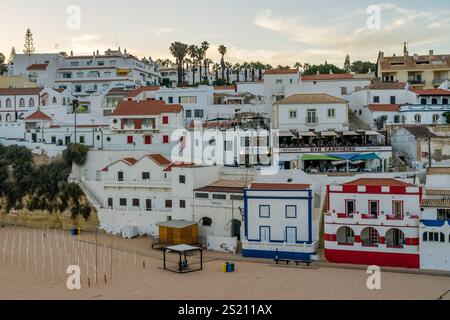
(364, 157)
(183, 251)
(318, 157)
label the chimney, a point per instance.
(405, 49)
(381, 55)
(71, 53)
(318, 73)
(431, 53)
(98, 53)
(331, 71)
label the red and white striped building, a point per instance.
(373, 222)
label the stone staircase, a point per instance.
(356, 123)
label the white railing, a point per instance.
(138, 184)
(283, 247)
(411, 220)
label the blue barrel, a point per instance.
(74, 231)
(229, 267)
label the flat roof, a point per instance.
(177, 224)
(225, 186)
(183, 248)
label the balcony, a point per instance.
(367, 219)
(414, 82)
(438, 82)
(312, 121)
(138, 184)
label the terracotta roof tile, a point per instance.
(288, 71)
(438, 170)
(436, 203)
(146, 108)
(139, 90)
(384, 107)
(160, 159)
(20, 91)
(311, 98)
(179, 165)
(318, 77)
(432, 92)
(37, 66)
(382, 182)
(279, 186)
(38, 115)
(386, 86)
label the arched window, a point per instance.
(8, 103)
(423, 101)
(395, 238)
(418, 118)
(31, 103)
(345, 236)
(434, 101)
(54, 100)
(8, 117)
(207, 222)
(370, 237)
(444, 101)
(0, 103)
(64, 101)
(22, 103)
(435, 118)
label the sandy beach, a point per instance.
(40, 274)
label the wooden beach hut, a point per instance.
(178, 232)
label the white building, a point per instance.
(373, 222)
(279, 222)
(311, 112)
(144, 125)
(278, 84)
(435, 221)
(337, 85)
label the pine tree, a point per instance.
(29, 47)
(12, 55)
(347, 65)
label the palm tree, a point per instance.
(223, 52)
(216, 67)
(200, 57)
(237, 68)
(192, 51)
(228, 66)
(205, 47)
(245, 67)
(298, 65)
(179, 51)
(207, 65)
(253, 67)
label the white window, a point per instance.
(418, 118)
(228, 145)
(292, 114)
(291, 212)
(264, 211)
(279, 81)
(188, 100)
(435, 118)
(331, 113)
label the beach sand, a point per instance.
(130, 280)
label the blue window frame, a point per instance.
(264, 211)
(291, 212)
(264, 234)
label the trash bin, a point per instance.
(225, 267)
(232, 267)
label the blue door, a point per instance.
(291, 235)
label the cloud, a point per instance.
(332, 39)
(163, 31)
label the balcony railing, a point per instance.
(438, 82)
(312, 120)
(416, 81)
(138, 184)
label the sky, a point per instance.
(275, 32)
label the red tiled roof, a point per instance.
(279, 186)
(179, 165)
(385, 86)
(288, 71)
(382, 182)
(38, 115)
(20, 91)
(37, 66)
(344, 76)
(160, 159)
(384, 107)
(146, 108)
(432, 92)
(139, 90)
